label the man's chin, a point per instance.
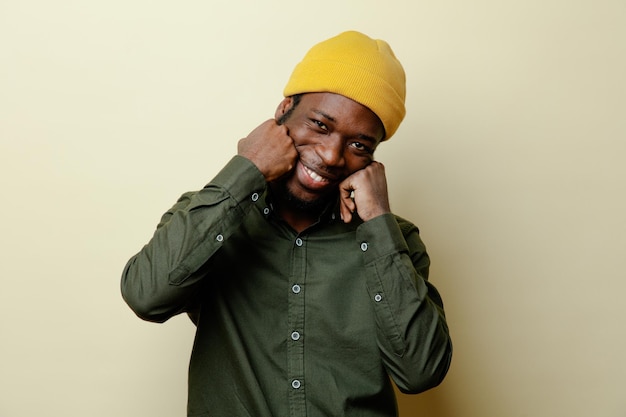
(311, 203)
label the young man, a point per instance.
(307, 292)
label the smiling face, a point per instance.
(334, 136)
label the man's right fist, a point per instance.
(270, 148)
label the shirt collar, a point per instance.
(329, 214)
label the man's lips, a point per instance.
(312, 179)
(314, 175)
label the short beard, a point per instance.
(293, 202)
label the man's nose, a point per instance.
(331, 151)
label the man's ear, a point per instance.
(283, 107)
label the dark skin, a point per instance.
(326, 145)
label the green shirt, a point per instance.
(309, 324)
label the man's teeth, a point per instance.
(315, 176)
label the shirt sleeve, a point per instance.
(160, 281)
(412, 332)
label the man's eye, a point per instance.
(320, 124)
(360, 146)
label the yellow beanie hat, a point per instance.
(358, 67)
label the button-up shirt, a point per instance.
(291, 324)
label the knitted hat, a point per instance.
(359, 68)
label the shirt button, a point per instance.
(219, 238)
(378, 298)
(364, 246)
(299, 242)
(255, 196)
(295, 384)
(295, 336)
(296, 289)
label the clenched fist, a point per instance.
(270, 148)
(364, 192)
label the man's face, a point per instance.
(334, 136)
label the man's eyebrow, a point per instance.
(321, 113)
(366, 137)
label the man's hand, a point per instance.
(364, 192)
(270, 148)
